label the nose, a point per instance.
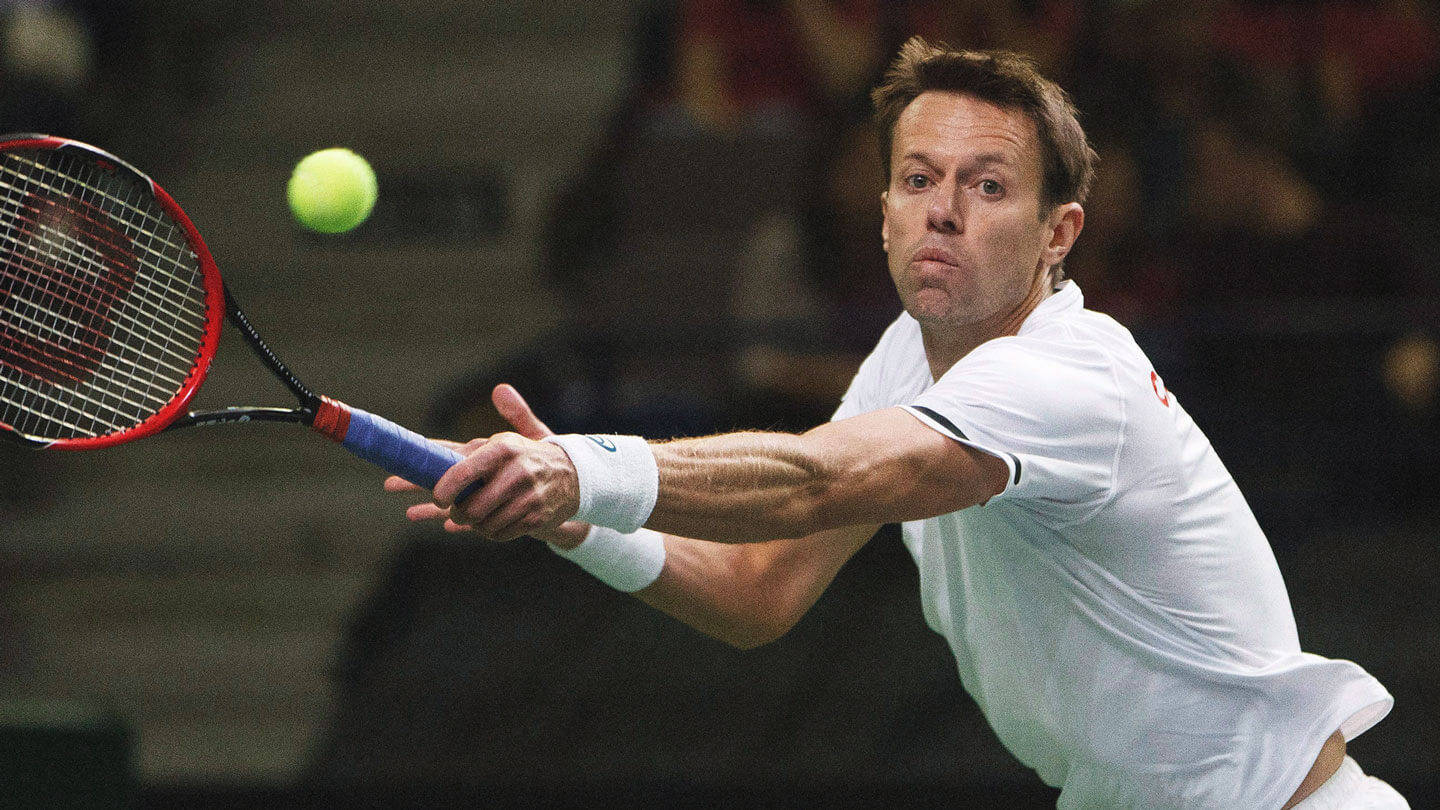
(942, 214)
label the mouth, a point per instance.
(935, 254)
(933, 266)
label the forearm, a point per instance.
(733, 592)
(715, 588)
(740, 487)
(743, 594)
(748, 594)
(880, 467)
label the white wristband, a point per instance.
(619, 481)
(625, 562)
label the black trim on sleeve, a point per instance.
(945, 423)
(950, 426)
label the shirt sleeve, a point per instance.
(1053, 412)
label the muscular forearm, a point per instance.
(875, 468)
(744, 594)
(879, 467)
(740, 486)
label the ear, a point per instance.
(1066, 222)
(885, 221)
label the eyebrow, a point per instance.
(978, 163)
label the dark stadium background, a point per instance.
(240, 618)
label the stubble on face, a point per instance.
(962, 227)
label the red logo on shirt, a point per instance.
(1160, 391)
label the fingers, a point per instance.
(527, 485)
(516, 411)
(524, 485)
(514, 519)
(426, 511)
(397, 484)
(504, 508)
(475, 466)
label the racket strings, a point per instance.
(75, 254)
(149, 233)
(102, 305)
(73, 298)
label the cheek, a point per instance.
(1016, 243)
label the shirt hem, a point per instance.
(1358, 709)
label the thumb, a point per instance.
(517, 412)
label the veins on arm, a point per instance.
(874, 468)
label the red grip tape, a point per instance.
(332, 420)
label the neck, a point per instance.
(945, 346)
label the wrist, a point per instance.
(625, 562)
(564, 537)
(617, 478)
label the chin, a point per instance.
(939, 308)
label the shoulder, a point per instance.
(1061, 354)
(1059, 379)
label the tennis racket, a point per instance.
(110, 312)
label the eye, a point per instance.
(990, 188)
(917, 181)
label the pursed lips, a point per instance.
(933, 265)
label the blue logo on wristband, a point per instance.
(603, 442)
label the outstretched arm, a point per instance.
(870, 469)
(742, 594)
(874, 468)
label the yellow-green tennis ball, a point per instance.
(332, 190)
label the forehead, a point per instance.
(953, 127)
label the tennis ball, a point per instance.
(332, 190)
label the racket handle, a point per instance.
(385, 444)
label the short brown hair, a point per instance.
(1007, 80)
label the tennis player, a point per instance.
(1112, 605)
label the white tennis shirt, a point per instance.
(1116, 612)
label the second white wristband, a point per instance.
(625, 562)
(619, 481)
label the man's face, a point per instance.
(961, 214)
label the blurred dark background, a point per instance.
(663, 217)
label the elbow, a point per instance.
(743, 641)
(766, 615)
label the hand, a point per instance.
(504, 523)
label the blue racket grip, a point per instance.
(401, 452)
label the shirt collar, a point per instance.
(1067, 298)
